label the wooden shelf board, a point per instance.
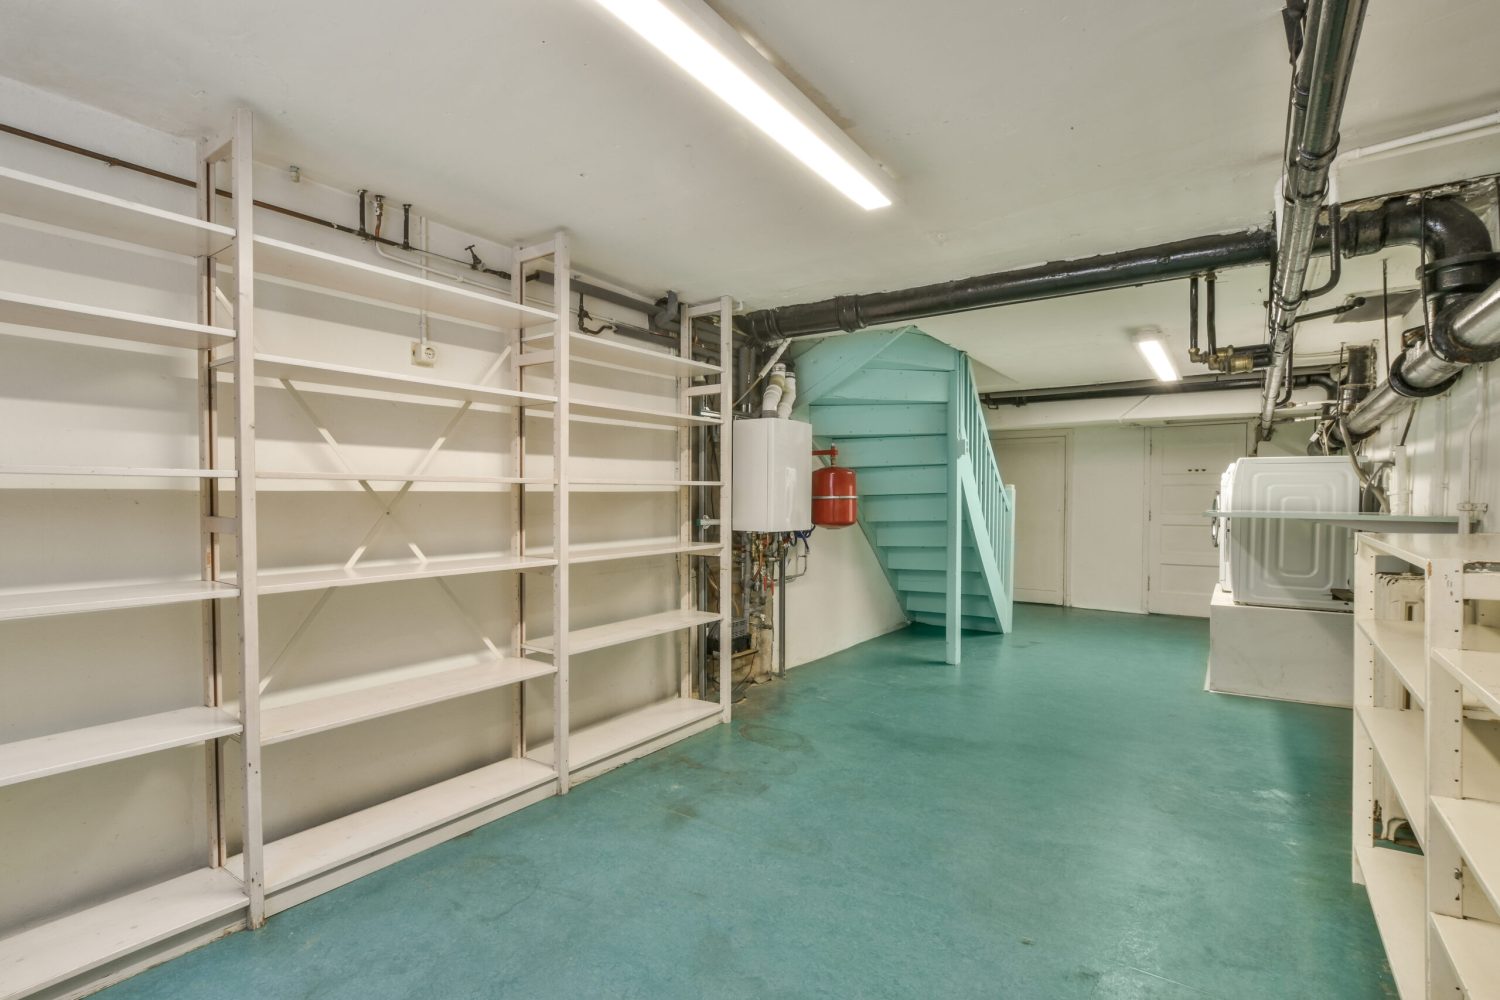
(603, 740)
(115, 472)
(1474, 825)
(114, 324)
(1418, 549)
(582, 554)
(286, 581)
(1400, 742)
(1402, 645)
(32, 960)
(596, 350)
(600, 636)
(43, 756)
(382, 696)
(1397, 886)
(44, 200)
(1479, 672)
(372, 380)
(312, 852)
(331, 272)
(1473, 948)
(634, 415)
(81, 600)
(403, 477)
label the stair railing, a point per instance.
(993, 501)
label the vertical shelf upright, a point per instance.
(237, 154)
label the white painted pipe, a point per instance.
(1467, 506)
(1455, 130)
(775, 386)
(788, 396)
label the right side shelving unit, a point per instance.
(1426, 793)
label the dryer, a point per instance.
(1290, 563)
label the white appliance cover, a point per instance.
(1291, 563)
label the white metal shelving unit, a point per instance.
(198, 904)
(1421, 697)
(594, 749)
(247, 878)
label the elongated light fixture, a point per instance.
(1153, 347)
(690, 34)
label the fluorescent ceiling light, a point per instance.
(1153, 348)
(690, 34)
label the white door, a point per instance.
(1037, 467)
(1186, 463)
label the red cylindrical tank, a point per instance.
(835, 501)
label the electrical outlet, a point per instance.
(423, 355)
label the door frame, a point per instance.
(1066, 434)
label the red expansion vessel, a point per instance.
(835, 501)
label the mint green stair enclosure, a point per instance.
(903, 410)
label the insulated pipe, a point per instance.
(1318, 89)
(1163, 262)
(1466, 332)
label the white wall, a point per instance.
(1106, 514)
(844, 599)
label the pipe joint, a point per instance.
(1466, 273)
(1402, 387)
(1449, 347)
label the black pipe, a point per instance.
(1193, 317)
(1152, 387)
(1210, 332)
(1355, 301)
(1162, 262)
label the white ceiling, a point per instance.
(1015, 133)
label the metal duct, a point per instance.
(1312, 141)
(1163, 262)
(1468, 331)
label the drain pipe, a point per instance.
(1319, 85)
(1459, 281)
(1466, 332)
(1163, 262)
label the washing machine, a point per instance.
(1290, 563)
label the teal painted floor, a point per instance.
(1067, 815)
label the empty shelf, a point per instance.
(625, 732)
(599, 636)
(591, 349)
(115, 472)
(286, 581)
(1475, 827)
(371, 380)
(41, 603)
(1401, 644)
(384, 284)
(55, 952)
(1479, 672)
(615, 413)
(404, 477)
(579, 554)
(51, 314)
(26, 760)
(636, 485)
(1397, 885)
(1400, 742)
(379, 697)
(313, 852)
(1473, 948)
(59, 204)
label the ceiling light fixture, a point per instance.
(1153, 347)
(690, 34)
